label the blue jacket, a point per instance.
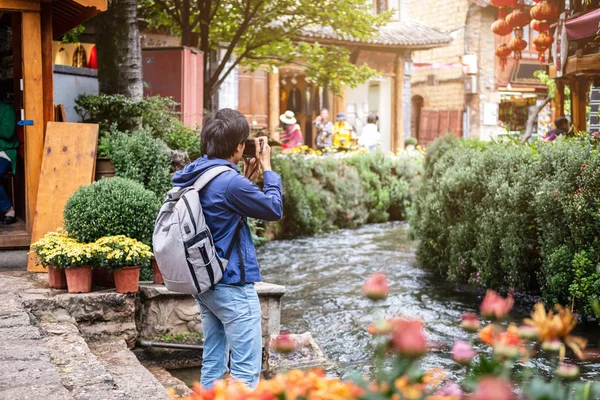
(227, 198)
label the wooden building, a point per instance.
(26, 71)
(576, 55)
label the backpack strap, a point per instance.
(236, 240)
(209, 175)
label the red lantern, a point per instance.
(517, 45)
(504, 3)
(544, 11)
(540, 26)
(504, 6)
(518, 19)
(501, 28)
(503, 52)
(542, 43)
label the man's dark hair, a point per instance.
(562, 121)
(223, 132)
(371, 119)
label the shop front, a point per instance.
(27, 28)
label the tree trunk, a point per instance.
(211, 94)
(533, 112)
(119, 50)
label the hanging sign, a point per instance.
(560, 47)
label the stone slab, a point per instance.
(130, 376)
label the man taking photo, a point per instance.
(231, 315)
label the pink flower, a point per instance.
(462, 352)
(450, 389)
(492, 388)
(283, 344)
(376, 287)
(408, 338)
(551, 345)
(596, 134)
(567, 371)
(470, 322)
(495, 306)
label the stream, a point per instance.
(323, 276)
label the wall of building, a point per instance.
(448, 92)
(70, 82)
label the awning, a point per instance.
(67, 14)
(583, 27)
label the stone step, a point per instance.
(130, 376)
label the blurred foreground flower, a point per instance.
(408, 338)
(376, 287)
(496, 307)
(283, 344)
(493, 389)
(450, 391)
(462, 352)
(555, 326)
(567, 371)
(470, 322)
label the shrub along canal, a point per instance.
(324, 275)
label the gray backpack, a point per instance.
(183, 245)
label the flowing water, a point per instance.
(324, 274)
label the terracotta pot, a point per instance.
(157, 277)
(127, 279)
(79, 279)
(57, 278)
(103, 277)
(104, 168)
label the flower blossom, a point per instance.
(470, 322)
(376, 287)
(495, 306)
(462, 352)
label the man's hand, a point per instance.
(251, 167)
(264, 156)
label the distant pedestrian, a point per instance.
(344, 134)
(370, 136)
(324, 130)
(291, 137)
(562, 127)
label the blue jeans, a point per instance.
(5, 168)
(231, 318)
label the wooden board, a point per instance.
(33, 104)
(19, 5)
(68, 163)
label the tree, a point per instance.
(252, 33)
(119, 50)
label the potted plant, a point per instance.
(43, 250)
(124, 256)
(76, 259)
(157, 277)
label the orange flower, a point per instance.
(486, 335)
(508, 344)
(557, 324)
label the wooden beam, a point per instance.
(582, 64)
(47, 63)
(274, 110)
(398, 111)
(578, 104)
(33, 101)
(19, 5)
(100, 5)
(559, 99)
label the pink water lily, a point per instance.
(463, 352)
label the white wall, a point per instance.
(70, 82)
(372, 97)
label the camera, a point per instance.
(250, 149)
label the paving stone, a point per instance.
(20, 332)
(10, 319)
(23, 373)
(36, 391)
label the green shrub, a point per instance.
(156, 115)
(326, 193)
(522, 216)
(110, 207)
(141, 158)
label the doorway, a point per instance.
(13, 182)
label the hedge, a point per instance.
(334, 192)
(510, 215)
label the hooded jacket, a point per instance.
(226, 199)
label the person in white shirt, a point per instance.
(370, 136)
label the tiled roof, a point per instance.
(409, 34)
